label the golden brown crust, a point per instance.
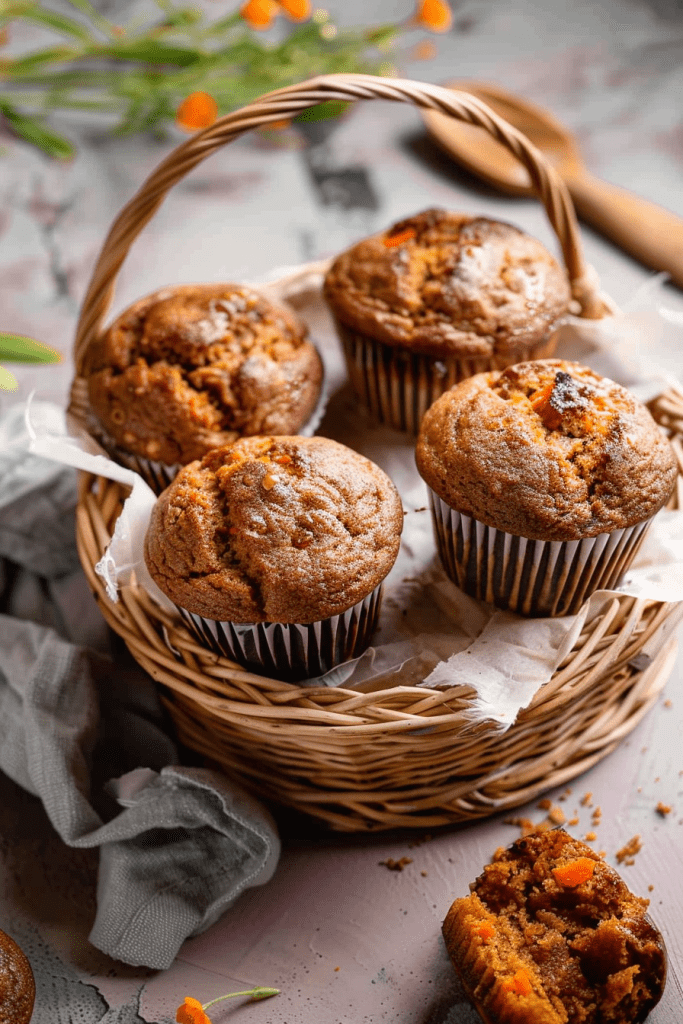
(552, 935)
(17, 987)
(275, 529)
(546, 450)
(454, 285)
(192, 367)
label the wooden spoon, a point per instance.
(650, 233)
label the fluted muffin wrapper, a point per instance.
(398, 385)
(530, 577)
(289, 650)
(157, 474)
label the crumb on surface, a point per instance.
(545, 804)
(663, 809)
(396, 865)
(586, 800)
(627, 853)
(573, 821)
(557, 816)
(591, 837)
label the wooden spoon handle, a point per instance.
(647, 231)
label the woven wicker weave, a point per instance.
(406, 756)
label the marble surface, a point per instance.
(344, 938)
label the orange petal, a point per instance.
(260, 13)
(198, 110)
(297, 10)
(434, 14)
(191, 1012)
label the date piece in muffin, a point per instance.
(543, 478)
(552, 935)
(193, 367)
(275, 545)
(17, 987)
(437, 298)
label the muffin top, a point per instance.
(192, 367)
(274, 529)
(442, 283)
(547, 450)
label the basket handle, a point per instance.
(288, 102)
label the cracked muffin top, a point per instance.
(546, 450)
(274, 529)
(193, 367)
(441, 283)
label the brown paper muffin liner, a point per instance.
(530, 577)
(288, 650)
(398, 386)
(157, 474)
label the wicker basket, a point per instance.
(405, 756)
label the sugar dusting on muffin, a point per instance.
(445, 283)
(279, 529)
(548, 450)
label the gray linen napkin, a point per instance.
(87, 735)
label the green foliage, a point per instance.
(141, 74)
(17, 348)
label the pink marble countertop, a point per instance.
(344, 938)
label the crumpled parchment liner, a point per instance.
(431, 634)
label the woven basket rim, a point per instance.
(313, 742)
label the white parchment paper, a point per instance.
(430, 633)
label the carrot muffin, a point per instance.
(439, 297)
(274, 550)
(193, 367)
(17, 987)
(543, 478)
(552, 935)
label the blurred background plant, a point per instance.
(179, 66)
(15, 348)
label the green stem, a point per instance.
(256, 993)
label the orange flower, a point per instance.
(426, 50)
(297, 10)
(198, 110)
(260, 13)
(435, 15)
(191, 1012)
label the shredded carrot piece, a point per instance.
(540, 403)
(284, 460)
(198, 110)
(520, 983)
(398, 239)
(575, 872)
(485, 930)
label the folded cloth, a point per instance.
(87, 735)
